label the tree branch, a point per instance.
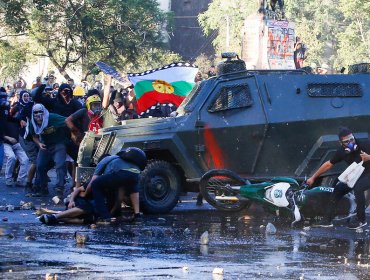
(13, 35)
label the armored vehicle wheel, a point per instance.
(218, 183)
(160, 187)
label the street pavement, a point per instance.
(171, 246)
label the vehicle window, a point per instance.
(232, 97)
(334, 90)
(188, 104)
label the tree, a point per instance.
(317, 24)
(227, 18)
(78, 33)
(354, 41)
(13, 57)
(336, 32)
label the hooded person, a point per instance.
(63, 104)
(48, 132)
(25, 116)
(13, 149)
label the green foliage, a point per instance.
(215, 18)
(354, 41)
(336, 32)
(78, 33)
(13, 57)
(204, 63)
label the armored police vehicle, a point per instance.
(260, 124)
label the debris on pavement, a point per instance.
(218, 270)
(56, 199)
(270, 229)
(81, 238)
(204, 238)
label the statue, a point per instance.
(270, 9)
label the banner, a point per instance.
(109, 70)
(166, 85)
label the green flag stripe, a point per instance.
(182, 88)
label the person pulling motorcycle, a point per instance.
(350, 150)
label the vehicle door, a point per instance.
(232, 126)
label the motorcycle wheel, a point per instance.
(217, 183)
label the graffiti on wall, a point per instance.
(280, 44)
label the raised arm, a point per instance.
(107, 84)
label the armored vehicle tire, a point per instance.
(217, 183)
(160, 187)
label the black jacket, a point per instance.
(56, 105)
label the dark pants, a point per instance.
(57, 153)
(359, 189)
(107, 184)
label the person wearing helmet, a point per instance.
(79, 95)
(85, 119)
(116, 172)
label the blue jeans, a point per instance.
(57, 153)
(1, 153)
(105, 185)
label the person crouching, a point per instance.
(115, 172)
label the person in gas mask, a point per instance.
(48, 132)
(350, 150)
(86, 119)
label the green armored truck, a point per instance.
(260, 124)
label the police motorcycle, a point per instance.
(285, 197)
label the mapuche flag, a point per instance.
(166, 85)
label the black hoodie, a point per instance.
(56, 105)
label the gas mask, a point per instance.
(95, 108)
(349, 144)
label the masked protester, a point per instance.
(63, 104)
(4, 113)
(86, 119)
(350, 150)
(13, 150)
(30, 147)
(48, 132)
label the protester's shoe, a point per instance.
(19, 184)
(138, 217)
(28, 189)
(356, 224)
(323, 224)
(42, 218)
(50, 219)
(127, 219)
(9, 182)
(59, 190)
(41, 192)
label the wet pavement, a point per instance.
(168, 246)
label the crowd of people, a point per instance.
(41, 128)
